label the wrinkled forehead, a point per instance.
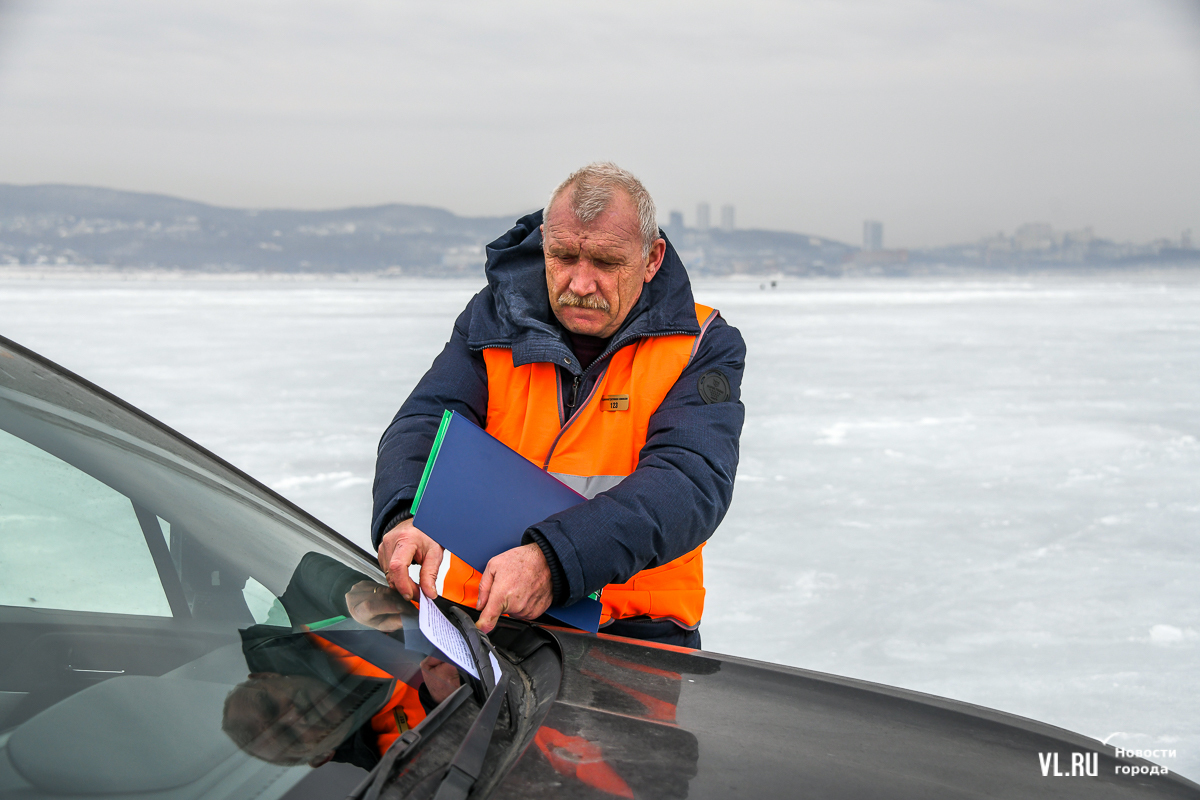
(600, 246)
(605, 235)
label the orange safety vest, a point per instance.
(403, 709)
(597, 447)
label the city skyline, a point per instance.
(1026, 236)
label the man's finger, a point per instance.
(387, 548)
(485, 586)
(430, 565)
(387, 544)
(496, 606)
(397, 571)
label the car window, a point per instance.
(67, 541)
(170, 627)
(264, 606)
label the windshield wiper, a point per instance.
(480, 646)
(467, 763)
(373, 784)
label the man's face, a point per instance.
(295, 719)
(595, 270)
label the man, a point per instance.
(586, 354)
(308, 698)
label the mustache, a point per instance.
(571, 300)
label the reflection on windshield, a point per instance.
(171, 629)
(330, 686)
(636, 747)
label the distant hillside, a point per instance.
(85, 226)
(759, 252)
(74, 225)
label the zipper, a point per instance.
(608, 351)
(575, 411)
(574, 395)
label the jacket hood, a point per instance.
(514, 310)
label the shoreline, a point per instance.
(1138, 273)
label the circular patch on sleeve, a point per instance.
(714, 387)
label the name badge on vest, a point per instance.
(615, 402)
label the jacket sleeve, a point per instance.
(457, 381)
(318, 589)
(679, 491)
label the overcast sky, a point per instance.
(945, 120)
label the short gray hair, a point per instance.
(591, 192)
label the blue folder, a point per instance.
(478, 496)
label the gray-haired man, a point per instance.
(587, 354)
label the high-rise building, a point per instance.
(676, 223)
(702, 222)
(872, 235)
(726, 218)
(1035, 236)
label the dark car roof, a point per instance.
(677, 723)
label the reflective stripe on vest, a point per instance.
(593, 452)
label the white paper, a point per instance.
(446, 637)
(495, 666)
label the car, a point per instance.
(173, 629)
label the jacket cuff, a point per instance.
(400, 513)
(558, 581)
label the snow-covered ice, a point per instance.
(982, 490)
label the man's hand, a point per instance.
(517, 583)
(376, 606)
(441, 678)
(404, 545)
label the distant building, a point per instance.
(1083, 236)
(726, 218)
(676, 223)
(872, 235)
(702, 222)
(1035, 236)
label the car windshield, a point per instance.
(172, 628)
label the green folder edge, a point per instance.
(437, 446)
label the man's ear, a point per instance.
(658, 251)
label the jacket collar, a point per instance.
(514, 310)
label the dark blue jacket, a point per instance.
(683, 483)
